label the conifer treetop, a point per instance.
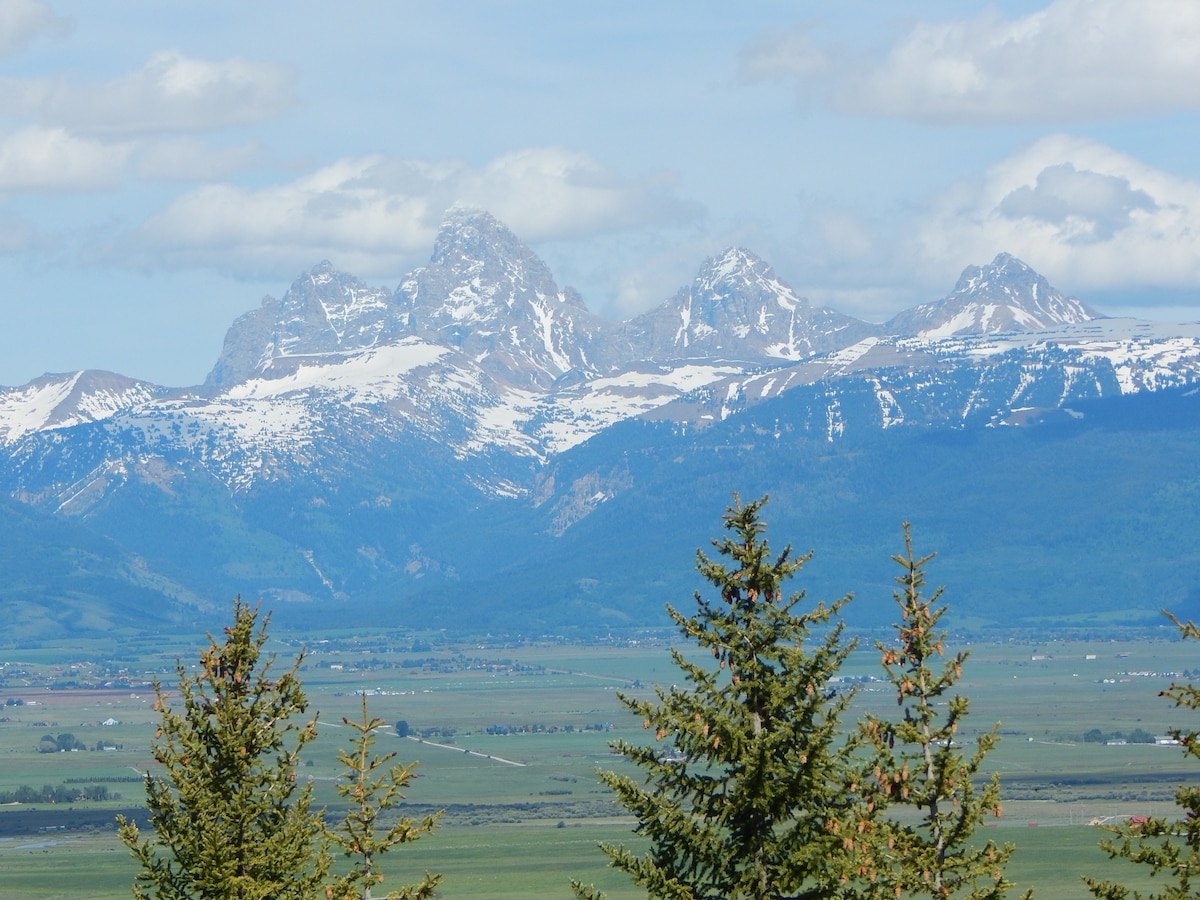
(746, 784)
(920, 762)
(230, 821)
(1166, 847)
(374, 785)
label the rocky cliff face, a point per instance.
(487, 294)
(324, 311)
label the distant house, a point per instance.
(110, 721)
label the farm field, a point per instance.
(508, 739)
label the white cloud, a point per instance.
(50, 159)
(1086, 206)
(90, 136)
(378, 216)
(41, 159)
(551, 192)
(171, 94)
(22, 21)
(1073, 60)
(1078, 211)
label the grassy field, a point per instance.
(533, 860)
(523, 808)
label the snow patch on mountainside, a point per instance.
(1150, 365)
(373, 373)
(606, 401)
(546, 425)
(31, 408)
(1146, 356)
(55, 402)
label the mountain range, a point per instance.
(475, 449)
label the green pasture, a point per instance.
(533, 861)
(65, 867)
(524, 810)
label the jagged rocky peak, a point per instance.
(323, 311)
(326, 310)
(737, 306)
(1006, 295)
(473, 242)
(738, 284)
(473, 249)
(488, 294)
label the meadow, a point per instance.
(509, 736)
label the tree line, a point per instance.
(64, 793)
(753, 785)
(60, 743)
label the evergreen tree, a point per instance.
(749, 797)
(230, 822)
(373, 789)
(920, 763)
(1170, 848)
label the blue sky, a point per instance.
(165, 165)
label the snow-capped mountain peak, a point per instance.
(1006, 295)
(472, 241)
(483, 293)
(487, 294)
(739, 272)
(60, 401)
(738, 307)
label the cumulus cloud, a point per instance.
(1085, 206)
(551, 192)
(378, 215)
(1073, 60)
(23, 21)
(50, 159)
(89, 136)
(171, 94)
(53, 160)
(1078, 211)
